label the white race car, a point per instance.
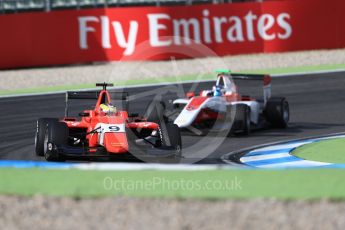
(223, 108)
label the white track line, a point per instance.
(294, 164)
(307, 73)
(142, 166)
(264, 157)
(173, 83)
(281, 146)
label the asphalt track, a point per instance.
(317, 107)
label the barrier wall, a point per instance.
(88, 35)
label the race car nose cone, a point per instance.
(116, 143)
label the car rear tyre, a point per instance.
(40, 134)
(56, 134)
(277, 112)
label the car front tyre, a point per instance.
(56, 134)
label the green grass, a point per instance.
(213, 184)
(206, 76)
(332, 151)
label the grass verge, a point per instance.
(214, 184)
(173, 79)
(331, 151)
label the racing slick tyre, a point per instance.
(155, 112)
(171, 137)
(277, 112)
(134, 149)
(56, 134)
(40, 134)
(242, 117)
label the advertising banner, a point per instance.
(112, 34)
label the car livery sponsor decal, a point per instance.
(108, 128)
(111, 128)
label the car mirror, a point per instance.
(190, 95)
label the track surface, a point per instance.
(317, 104)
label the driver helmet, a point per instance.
(108, 108)
(217, 92)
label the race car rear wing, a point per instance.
(265, 78)
(82, 95)
(93, 95)
(259, 77)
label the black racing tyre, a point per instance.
(171, 136)
(277, 112)
(133, 148)
(56, 134)
(243, 118)
(155, 112)
(40, 134)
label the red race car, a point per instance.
(107, 131)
